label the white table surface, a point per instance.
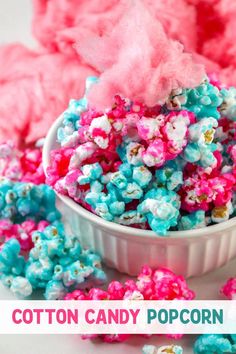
(15, 17)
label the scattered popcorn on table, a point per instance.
(229, 289)
(19, 200)
(35, 251)
(22, 232)
(166, 349)
(56, 263)
(167, 167)
(151, 284)
(25, 166)
(215, 344)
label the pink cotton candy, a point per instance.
(138, 61)
(35, 88)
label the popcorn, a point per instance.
(22, 232)
(166, 349)
(229, 289)
(161, 208)
(56, 263)
(25, 166)
(196, 220)
(215, 344)
(228, 106)
(201, 190)
(112, 161)
(201, 149)
(203, 100)
(20, 200)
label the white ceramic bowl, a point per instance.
(126, 249)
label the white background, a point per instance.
(15, 17)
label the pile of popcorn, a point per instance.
(167, 167)
(35, 251)
(22, 165)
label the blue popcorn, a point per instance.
(161, 208)
(119, 180)
(11, 262)
(90, 172)
(59, 264)
(56, 263)
(102, 210)
(214, 344)
(191, 221)
(142, 176)
(21, 287)
(203, 100)
(55, 290)
(117, 208)
(133, 191)
(126, 169)
(36, 202)
(228, 106)
(131, 153)
(165, 349)
(131, 217)
(201, 147)
(170, 176)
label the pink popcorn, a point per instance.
(175, 132)
(58, 168)
(149, 128)
(163, 284)
(25, 166)
(22, 232)
(99, 131)
(151, 284)
(32, 167)
(155, 154)
(81, 154)
(201, 191)
(229, 289)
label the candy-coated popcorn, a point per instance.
(25, 166)
(192, 221)
(215, 344)
(203, 100)
(204, 191)
(54, 261)
(11, 262)
(229, 289)
(162, 284)
(201, 147)
(161, 208)
(20, 287)
(58, 263)
(22, 232)
(165, 349)
(151, 284)
(228, 106)
(21, 200)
